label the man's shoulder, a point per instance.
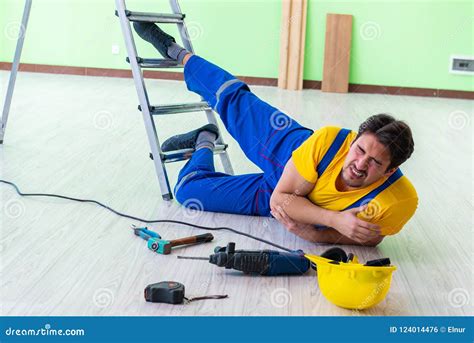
(398, 203)
(401, 191)
(406, 187)
(330, 130)
(329, 133)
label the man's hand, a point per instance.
(348, 224)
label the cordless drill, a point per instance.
(263, 262)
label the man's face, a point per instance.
(366, 162)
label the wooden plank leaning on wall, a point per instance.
(337, 53)
(292, 41)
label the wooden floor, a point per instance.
(83, 137)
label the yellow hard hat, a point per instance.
(349, 284)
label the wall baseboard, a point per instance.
(261, 81)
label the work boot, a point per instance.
(156, 36)
(187, 140)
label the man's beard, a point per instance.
(355, 183)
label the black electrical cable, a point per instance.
(143, 220)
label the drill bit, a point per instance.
(193, 258)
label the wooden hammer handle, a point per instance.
(207, 237)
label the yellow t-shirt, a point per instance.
(391, 208)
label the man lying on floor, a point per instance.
(331, 186)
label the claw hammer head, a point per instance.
(162, 246)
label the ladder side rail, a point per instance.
(15, 67)
(144, 102)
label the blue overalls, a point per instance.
(266, 136)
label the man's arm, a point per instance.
(290, 194)
(329, 235)
(289, 197)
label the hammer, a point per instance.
(162, 246)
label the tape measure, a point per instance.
(172, 292)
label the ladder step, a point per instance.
(165, 18)
(185, 154)
(157, 63)
(160, 110)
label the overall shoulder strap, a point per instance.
(332, 151)
(365, 199)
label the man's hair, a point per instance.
(394, 134)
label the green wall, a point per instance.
(2, 34)
(395, 43)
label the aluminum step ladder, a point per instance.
(15, 67)
(160, 158)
